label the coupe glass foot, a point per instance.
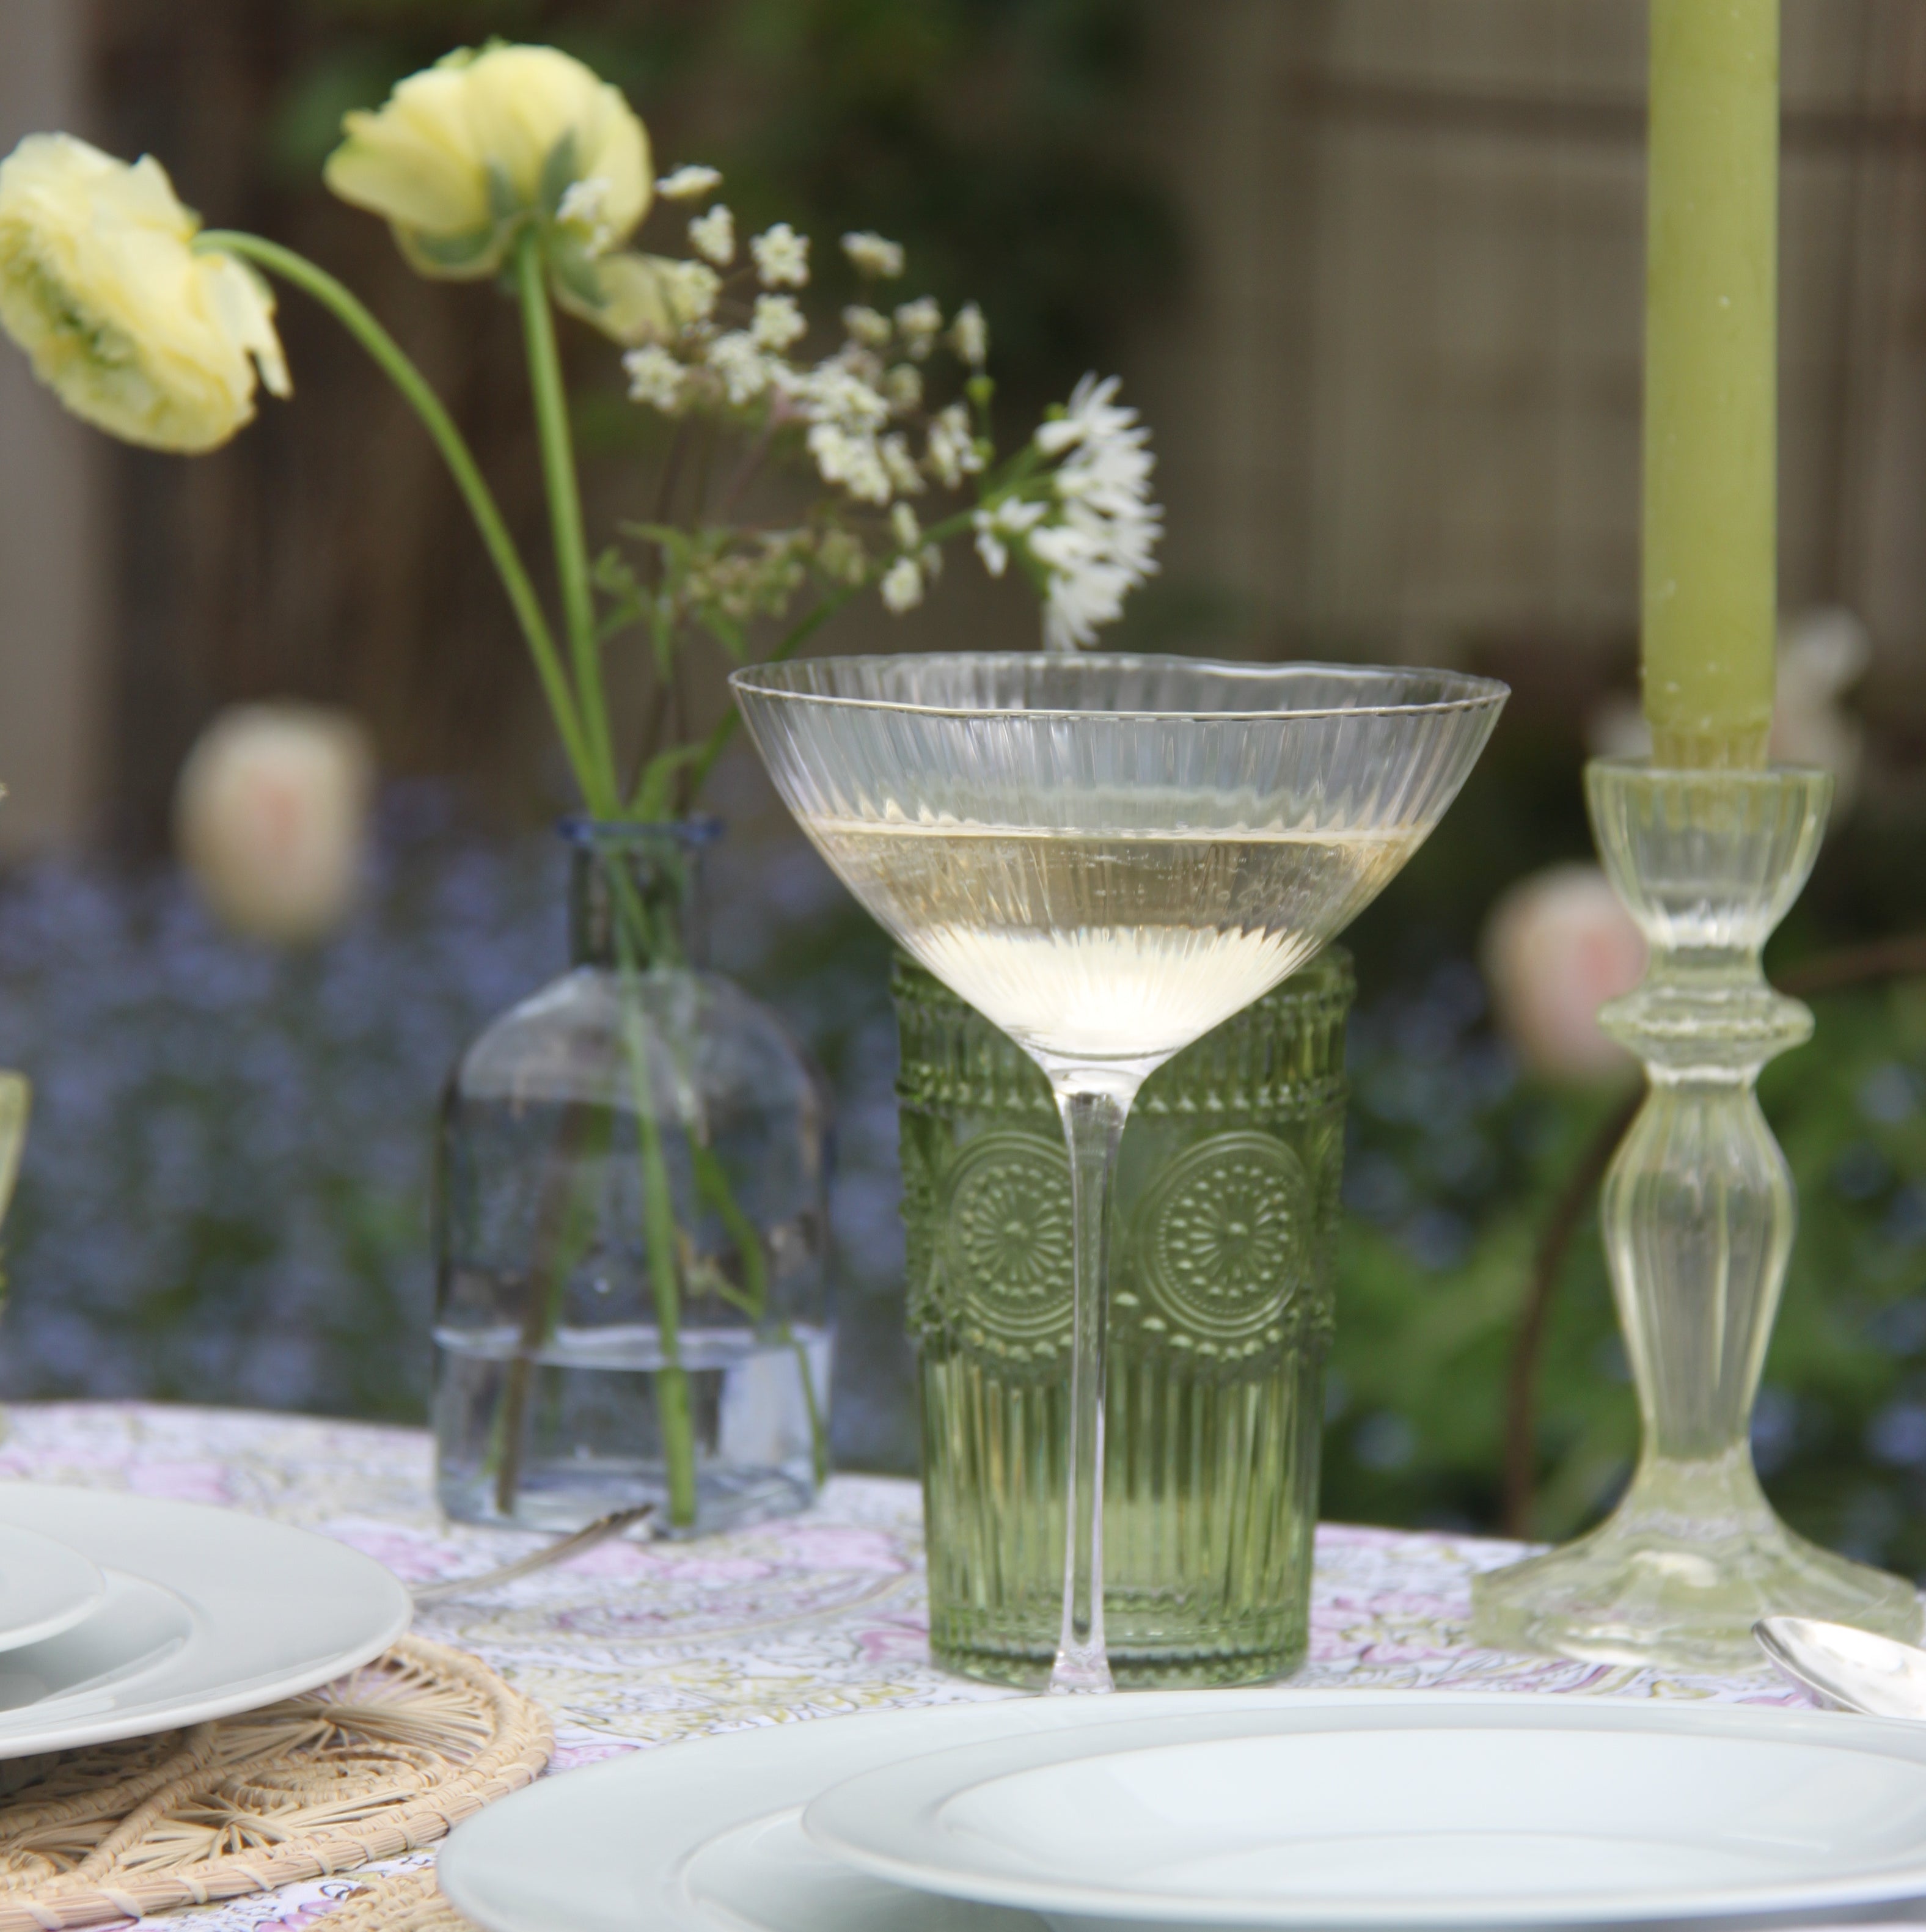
(1081, 1673)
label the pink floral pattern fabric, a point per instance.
(635, 1644)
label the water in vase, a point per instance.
(591, 1432)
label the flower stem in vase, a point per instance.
(568, 1222)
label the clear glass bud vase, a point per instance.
(1697, 1213)
(1220, 1320)
(632, 1292)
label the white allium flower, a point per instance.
(902, 586)
(970, 335)
(712, 235)
(905, 527)
(921, 321)
(894, 449)
(1091, 414)
(851, 460)
(865, 325)
(656, 378)
(743, 368)
(1101, 548)
(953, 454)
(689, 184)
(584, 205)
(778, 322)
(871, 255)
(1086, 590)
(1011, 518)
(782, 257)
(903, 386)
(691, 288)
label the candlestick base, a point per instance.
(1697, 1213)
(1679, 1574)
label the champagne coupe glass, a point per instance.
(1107, 856)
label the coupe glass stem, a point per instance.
(1093, 1120)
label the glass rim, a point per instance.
(1775, 772)
(1479, 693)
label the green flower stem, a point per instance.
(393, 363)
(564, 511)
(658, 1219)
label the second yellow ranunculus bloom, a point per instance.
(464, 154)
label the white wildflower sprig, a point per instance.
(781, 257)
(866, 327)
(969, 336)
(712, 235)
(872, 257)
(584, 206)
(689, 183)
(919, 323)
(656, 379)
(1073, 505)
(953, 452)
(779, 323)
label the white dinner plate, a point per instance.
(46, 1586)
(707, 1836)
(1418, 1810)
(206, 1612)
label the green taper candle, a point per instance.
(1711, 403)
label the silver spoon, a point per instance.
(1846, 1669)
(600, 1531)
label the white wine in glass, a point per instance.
(1108, 857)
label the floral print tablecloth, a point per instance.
(634, 1645)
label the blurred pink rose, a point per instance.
(1556, 947)
(270, 818)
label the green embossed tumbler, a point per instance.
(1220, 1318)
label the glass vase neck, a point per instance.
(634, 892)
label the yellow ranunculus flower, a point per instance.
(465, 152)
(130, 328)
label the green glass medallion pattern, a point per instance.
(1220, 1319)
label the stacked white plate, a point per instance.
(1272, 1809)
(123, 1615)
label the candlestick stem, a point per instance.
(1698, 1212)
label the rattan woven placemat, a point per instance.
(374, 1765)
(402, 1901)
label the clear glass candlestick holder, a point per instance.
(1697, 1214)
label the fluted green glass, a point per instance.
(1220, 1318)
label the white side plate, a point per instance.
(1376, 1808)
(46, 1586)
(206, 1612)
